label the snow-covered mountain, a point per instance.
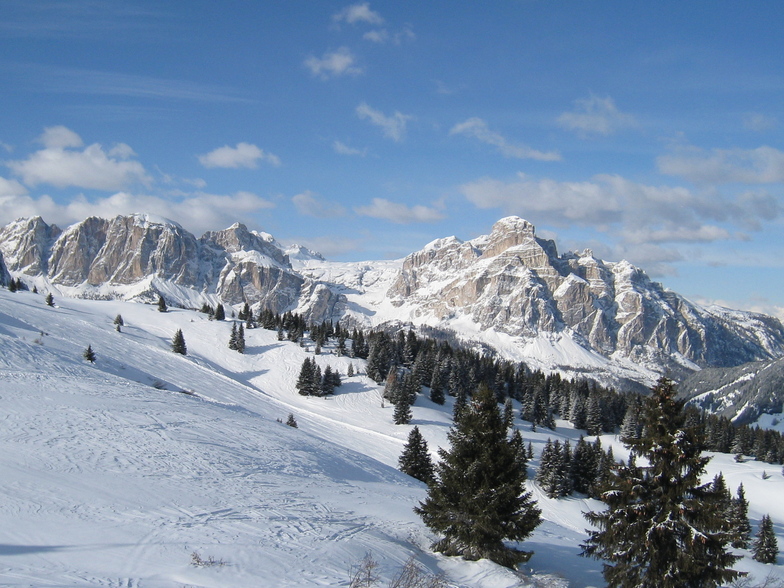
(509, 290)
(116, 473)
(743, 393)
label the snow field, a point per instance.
(110, 475)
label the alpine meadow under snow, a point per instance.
(130, 470)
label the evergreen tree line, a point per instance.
(408, 362)
(312, 382)
(563, 471)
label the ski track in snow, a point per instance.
(111, 476)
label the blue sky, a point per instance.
(364, 130)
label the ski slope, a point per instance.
(116, 473)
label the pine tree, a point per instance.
(307, 374)
(661, 527)
(89, 354)
(233, 337)
(402, 414)
(118, 320)
(327, 382)
(162, 304)
(240, 341)
(178, 343)
(415, 459)
(291, 421)
(49, 299)
(765, 547)
(477, 499)
(740, 520)
(220, 313)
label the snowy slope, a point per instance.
(110, 475)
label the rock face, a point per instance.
(235, 265)
(513, 282)
(509, 282)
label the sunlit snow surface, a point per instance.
(112, 475)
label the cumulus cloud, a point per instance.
(478, 129)
(755, 121)
(359, 12)
(763, 165)
(243, 155)
(343, 149)
(333, 64)
(310, 204)
(198, 212)
(11, 188)
(396, 212)
(59, 137)
(61, 164)
(393, 127)
(596, 116)
(636, 213)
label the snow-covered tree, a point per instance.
(49, 299)
(178, 343)
(415, 459)
(662, 528)
(89, 354)
(765, 547)
(739, 515)
(402, 414)
(477, 500)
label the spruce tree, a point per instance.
(415, 459)
(49, 299)
(306, 377)
(178, 343)
(89, 354)
(162, 304)
(240, 341)
(220, 313)
(402, 414)
(662, 528)
(233, 337)
(740, 520)
(765, 547)
(477, 500)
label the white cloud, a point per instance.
(636, 213)
(59, 137)
(377, 36)
(359, 12)
(763, 165)
(344, 149)
(596, 116)
(334, 64)
(309, 204)
(11, 188)
(393, 127)
(198, 212)
(243, 155)
(61, 165)
(396, 212)
(477, 128)
(755, 121)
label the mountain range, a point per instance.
(509, 291)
